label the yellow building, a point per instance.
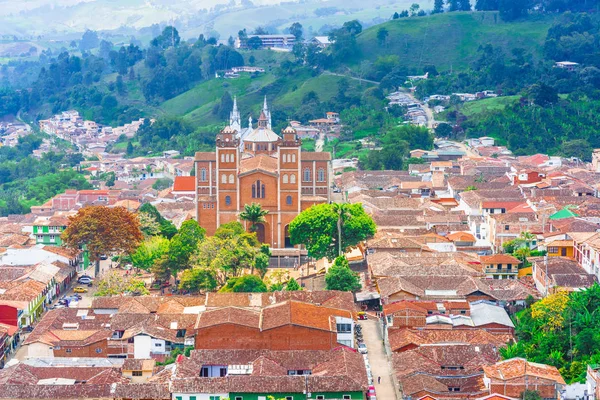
(139, 370)
(560, 248)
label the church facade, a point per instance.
(256, 165)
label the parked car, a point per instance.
(103, 257)
(80, 289)
(84, 280)
(371, 395)
(362, 348)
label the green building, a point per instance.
(238, 374)
(47, 231)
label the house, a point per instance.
(75, 378)
(184, 186)
(593, 380)
(586, 249)
(516, 375)
(289, 325)
(321, 41)
(500, 266)
(461, 239)
(567, 65)
(282, 41)
(560, 248)
(47, 230)
(449, 371)
(138, 370)
(552, 274)
(257, 374)
(527, 177)
(401, 340)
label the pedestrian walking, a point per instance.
(379, 380)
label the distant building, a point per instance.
(321, 41)
(269, 41)
(568, 65)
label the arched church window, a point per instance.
(307, 175)
(285, 178)
(321, 175)
(293, 178)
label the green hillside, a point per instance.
(451, 40)
(285, 92)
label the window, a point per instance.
(214, 397)
(192, 397)
(157, 344)
(68, 350)
(203, 175)
(454, 389)
(231, 178)
(553, 250)
(320, 397)
(321, 175)
(136, 373)
(346, 397)
(227, 200)
(98, 350)
(506, 227)
(288, 200)
(293, 158)
(285, 178)
(289, 398)
(223, 178)
(222, 157)
(204, 372)
(180, 333)
(285, 158)
(293, 178)
(258, 190)
(238, 398)
(178, 398)
(306, 175)
(344, 328)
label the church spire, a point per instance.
(235, 120)
(267, 113)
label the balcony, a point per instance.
(501, 271)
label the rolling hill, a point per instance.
(450, 41)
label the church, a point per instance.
(256, 165)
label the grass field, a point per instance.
(450, 41)
(491, 104)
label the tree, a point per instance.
(542, 94)
(296, 30)
(245, 284)
(396, 15)
(149, 251)
(341, 277)
(198, 279)
(443, 130)
(382, 35)
(148, 224)
(414, 9)
(254, 43)
(129, 150)
(167, 229)
(465, 5)
(438, 7)
(317, 228)
(223, 109)
(513, 9)
(162, 183)
(184, 244)
(550, 310)
(115, 284)
(292, 285)
(531, 395)
(486, 5)
(89, 41)
(103, 230)
(254, 214)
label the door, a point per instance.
(563, 251)
(260, 232)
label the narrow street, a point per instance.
(380, 365)
(320, 142)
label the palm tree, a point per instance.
(342, 211)
(254, 214)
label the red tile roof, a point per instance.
(184, 184)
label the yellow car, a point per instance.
(80, 289)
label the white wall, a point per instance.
(142, 346)
(346, 337)
(35, 350)
(199, 396)
(158, 347)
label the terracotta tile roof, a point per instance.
(338, 370)
(518, 368)
(303, 314)
(500, 259)
(62, 251)
(384, 263)
(261, 162)
(315, 156)
(328, 298)
(137, 364)
(399, 338)
(203, 156)
(229, 315)
(184, 184)
(507, 205)
(461, 237)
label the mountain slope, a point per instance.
(451, 40)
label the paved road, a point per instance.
(380, 365)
